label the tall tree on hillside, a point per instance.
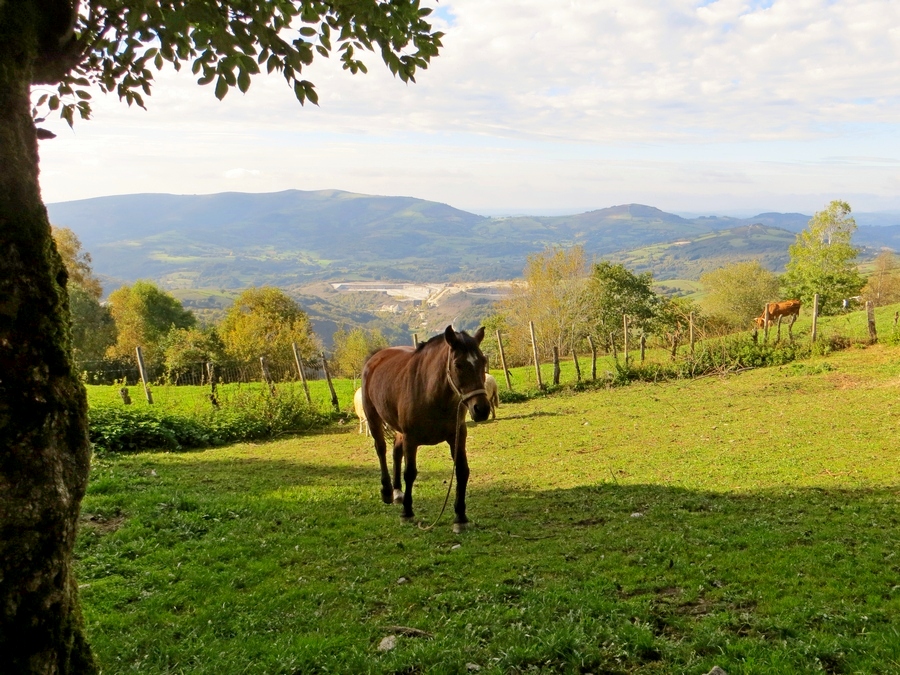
(187, 349)
(823, 260)
(77, 261)
(144, 315)
(44, 449)
(93, 327)
(552, 297)
(265, 322)
(613, 292)
(883, 285)
(352, 347)
(738, 292)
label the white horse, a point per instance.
(493, 395)
(360, 413)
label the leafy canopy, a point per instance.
(550, 297)
(351, 348)
(614, 292)
(144, 315)
(116, 43)
(883, 285)
(93, 327)
(823, 260)
(77, 261)
(265, 322)
(738, 292)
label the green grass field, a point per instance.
(748, 521)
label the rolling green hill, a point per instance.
(689, 258)
(234, 240)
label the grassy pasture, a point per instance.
(748, 521)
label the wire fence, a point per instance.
(204, 385)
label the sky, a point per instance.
(543, 107)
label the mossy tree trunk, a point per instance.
(44, 450)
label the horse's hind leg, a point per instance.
(377, 430)
(398, 463)
(409, 475)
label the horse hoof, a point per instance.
(398, 496)
(386, 498)
(459, 528)
(407, 519)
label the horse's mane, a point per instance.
(436, 338)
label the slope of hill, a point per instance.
(233, 240)
(689, 258)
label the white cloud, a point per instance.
(540, 105)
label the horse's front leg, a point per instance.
(462, 479)
(409, 476)
(398, 463)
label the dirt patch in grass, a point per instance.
(100, 524)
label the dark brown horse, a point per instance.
(422, 394)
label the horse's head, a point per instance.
(465, 371)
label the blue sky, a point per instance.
(545, 107)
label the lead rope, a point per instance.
(459, 421)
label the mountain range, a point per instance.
(234, 240)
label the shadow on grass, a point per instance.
(614, 576)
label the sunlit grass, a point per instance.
(748, 521)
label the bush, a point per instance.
(250, 417)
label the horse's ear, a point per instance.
(450, 336)
(479, 334)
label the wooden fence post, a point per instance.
(265, 374)
(537, 364)
(643, 346)
(143, 372)
(625, 339)
(815, 316)
(211, 372)
(503, 361)
(334, 398)
(555, 364)
(593, 358)
(299, 362)
(766, 324)
(870, 315)
(691, 320)
(577, 365)
(416, 340)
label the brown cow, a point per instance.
(778, 310)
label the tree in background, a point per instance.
(144, 314)
(77, 262)
(613, 292)
(43, 431)
(551, 296)
(671, 322)
(883, 285)
(265, 322)
(737, 293)
(93, 327)
(352, 348)
(823, 260)
(187, 350)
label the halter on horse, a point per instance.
(423, 394)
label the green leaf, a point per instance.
(221, 88)
(243, 81)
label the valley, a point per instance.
(401, 264)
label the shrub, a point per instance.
(251, 416)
